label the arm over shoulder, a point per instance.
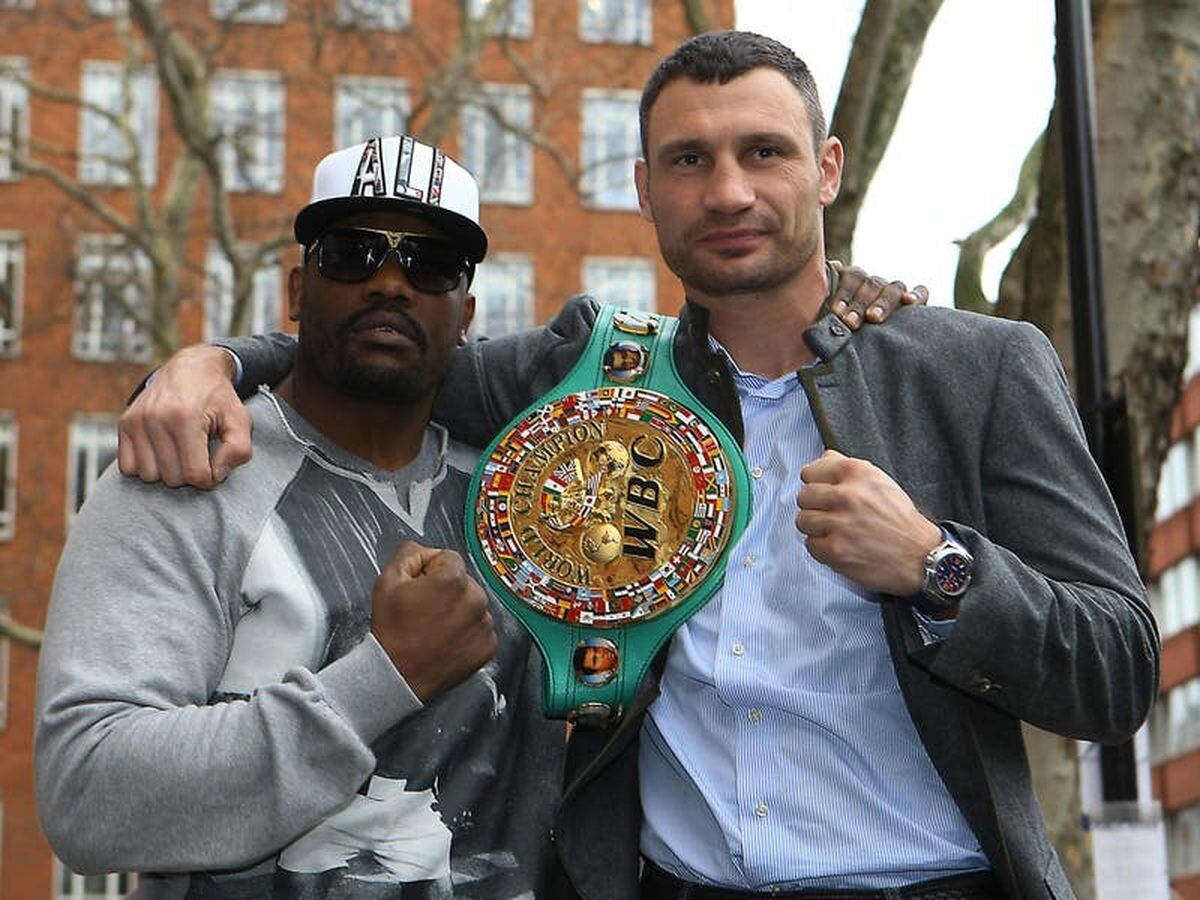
(492, 380)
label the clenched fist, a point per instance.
(861, 524)
(432, 618)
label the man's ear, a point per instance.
(641, 177)
(830, 160)
(295, 292)
(468, 316)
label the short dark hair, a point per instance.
(722, 56)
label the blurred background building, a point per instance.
(1175, 591)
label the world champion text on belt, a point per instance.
(603, 515)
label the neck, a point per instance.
(763, 331)
(387, 435)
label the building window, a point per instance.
(8, 476)
(610, 146)
(1176, 480)
(12, 274)
(503, 290)
(265, 301)
(14, 113)
(247, 110)
(493, 143)
(366, 107)
(1184, 842)
(112, 301)
(511, 19)
(265, 12)
(620, 281)
(389, 15)
(1179, 724)
(116, 99)
(16, 4)
(73, 886)
(1177, 597)
(93, 446)
(615, 21)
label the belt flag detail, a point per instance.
(603, 515)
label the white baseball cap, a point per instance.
(395, 173)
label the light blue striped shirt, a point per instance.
(780, 752)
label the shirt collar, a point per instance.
(750, 384)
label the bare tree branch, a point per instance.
(968, 278)
(882, 60)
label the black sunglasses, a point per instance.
(354, 254)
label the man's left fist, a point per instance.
(861, 524)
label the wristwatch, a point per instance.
(948, 570)
(602, 516)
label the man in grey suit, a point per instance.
(933, 556)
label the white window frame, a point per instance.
(366, 106)
(243, 102)
(516, 22)
(104, 155)
(266, 297)
(92, 436)
(500, 158)
(1183, 842)
(374, 15)
(504, 294)
(99, 253)
(1176, 479)
(12, 276)
(627, 281)
(76, 888)
(258, 12)
(609, 117)
(616, 22)
(14, 112)
(16, 4)
(9, 447)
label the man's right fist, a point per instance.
(432, 618)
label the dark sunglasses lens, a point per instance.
(350, 256)
(432, 265)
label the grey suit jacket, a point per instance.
(973, 418)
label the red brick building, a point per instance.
(1174, 570)
(291, 80)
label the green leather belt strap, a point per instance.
(603, 515)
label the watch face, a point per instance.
(952, 574)
(605, 507)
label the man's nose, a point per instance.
(390, 279)
(729, 190)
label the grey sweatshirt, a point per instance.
(212, 707)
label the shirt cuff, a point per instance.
(367, 690)
(237, 365)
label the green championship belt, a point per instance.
(602, 516)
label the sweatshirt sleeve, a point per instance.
(135, 768)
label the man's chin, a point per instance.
(378, 384)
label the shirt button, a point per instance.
(754, 715)
(738, 649)
(761, 810)
(750, 560)
(757, 471)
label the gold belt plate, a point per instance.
(605, 507)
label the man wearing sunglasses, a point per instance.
(293, 686)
